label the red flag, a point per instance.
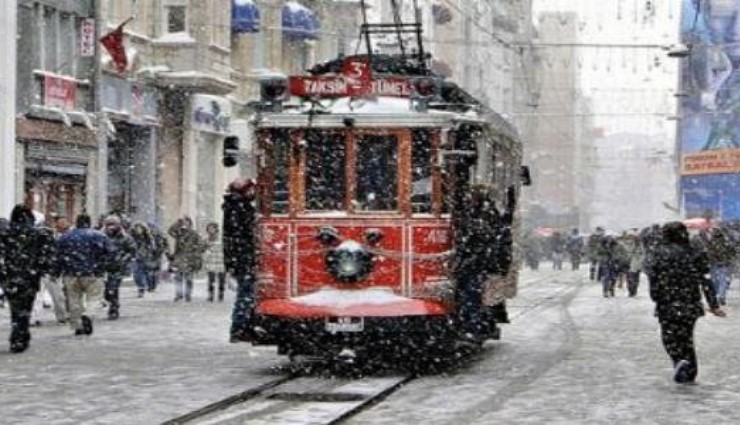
(113, 43)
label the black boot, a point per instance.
(221, 295)
(113, 313)
(20, 337)
(87, 326)
(210, 294)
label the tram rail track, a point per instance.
(297, 399)
(303, 399)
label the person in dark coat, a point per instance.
(557, 247)
(574, 246)
(593, 250)
(187, 258)
(240, 252)
(161, 250)
(679, 277)
(83, 256)
(721, 251)
(124, 251)
(613, 262)
(4, 225)
(26, 254)
(146, 261)
(475, 258)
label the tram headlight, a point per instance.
(349, 262)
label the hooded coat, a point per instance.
(239, 231)
(26, 252)
(188, 254)
(679, 274)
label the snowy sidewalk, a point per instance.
(159, 360)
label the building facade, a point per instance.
(57, 157)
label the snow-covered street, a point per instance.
(570, 356)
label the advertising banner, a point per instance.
(59, 92)
(710, 109)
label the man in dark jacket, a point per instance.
(26, 254)
(240, 252)
(679, 276)
(593, 249)
(83, 255)
(124, 250)
(477, 255)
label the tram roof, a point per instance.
(380, 112)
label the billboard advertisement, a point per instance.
(710, 109)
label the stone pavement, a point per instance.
(159, 360)
(572, 357)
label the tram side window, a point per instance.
(280, 158)
(421, 172)
(377, 173)
(325, 179)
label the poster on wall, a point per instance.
(710, 124)
(59, 92)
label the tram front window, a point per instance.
(421, 172)
(325, 180)
(377, 173)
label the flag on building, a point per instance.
(113, 43)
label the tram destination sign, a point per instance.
(354, 80)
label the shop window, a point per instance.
(176, 18)
(377, 173)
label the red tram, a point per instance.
(360, 183)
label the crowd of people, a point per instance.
(680, 270)
(80, 265)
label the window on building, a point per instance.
(220, 25)
(48, 23)
(176, 18)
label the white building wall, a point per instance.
(8, 22)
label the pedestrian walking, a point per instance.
(161, 251)
(146, 261)
(187, 259)
(213, 260)
(636, 254)
(557, 247)
(240, 252)
(721, 251)
(532, 249)
(574, 246)
(678, 278)
(594, 247)
(26, 254)
(83, 255)
(124, 251)
(613, 263)
(54, 285)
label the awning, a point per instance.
(300, 22)
(245, 17)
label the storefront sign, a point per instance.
(87, 37)
(211, 114)
(59, 92)
(711, 162)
